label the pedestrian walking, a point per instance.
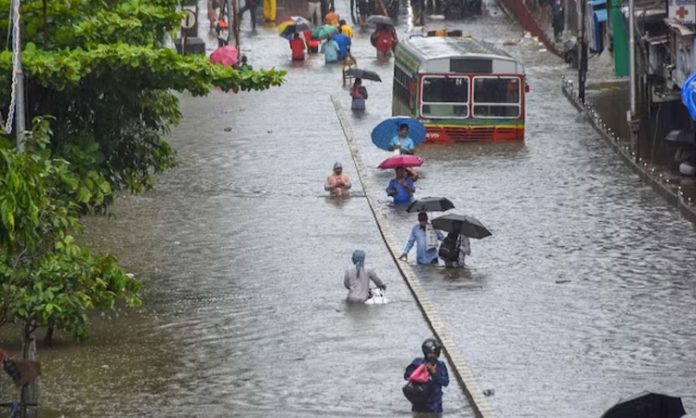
(311, 42)
(314, 11)
(438, 377)
(454, 249)
(384, 39)
(330, 50)
(357, 279)
(558, 16)
(223, 32)
(213, 6)
(297, 46)
(426, 238)
(251, 6)
(337, 184)
(358, 94)
(402, 141)
(345, 29)
(401, 188)
(344, 44)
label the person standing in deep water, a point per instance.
(401, 188)
(439, 378)
(402, 141)
(426, 239)
(337, 183)
(357, 279)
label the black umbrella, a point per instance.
(430, 204)
(461, 224)
(647, 405)
(365, 74)
(380, 20)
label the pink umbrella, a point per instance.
(226, 55)
(401, 161)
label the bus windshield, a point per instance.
(445, 96)
(496, 97)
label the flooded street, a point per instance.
(583, 295)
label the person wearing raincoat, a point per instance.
(330, 50)
(357, 279)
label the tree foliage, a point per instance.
(45, 277)
(101, 69)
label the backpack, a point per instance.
(448, 249)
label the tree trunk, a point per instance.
(28, 353)
(48, 338)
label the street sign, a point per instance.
(189, 21)
(682, 11)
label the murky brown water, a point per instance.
(242, 258)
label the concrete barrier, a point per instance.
(460, 367)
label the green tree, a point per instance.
(45, 277)
(102, 70)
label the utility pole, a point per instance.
(19, 111)
(582, 51)
(633, 121)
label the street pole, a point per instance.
(633, 121)
(582, 51)
(20, 121)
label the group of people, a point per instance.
(335, 48)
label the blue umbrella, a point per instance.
(388, 128)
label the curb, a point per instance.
(673, 195)
(460, 367)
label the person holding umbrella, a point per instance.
(297, 46)
(359, 94)
(426, 238)
(401, 188)
(402, 142)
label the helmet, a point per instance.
(431, 345)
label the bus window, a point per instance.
(402, 90)
(445, 97)
(496, 97)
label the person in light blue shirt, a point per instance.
(401, 188)
(402, 141)
(330, 51)
(426, 239)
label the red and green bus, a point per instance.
(460, 88)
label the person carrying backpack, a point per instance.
(454, 249)
(438, 377)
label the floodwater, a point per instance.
(583, 295)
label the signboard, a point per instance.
(682, 11)
(189, 20)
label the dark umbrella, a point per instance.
(647, 405)
(461, 224)
(364, 74)
(430, 204)
(380, 20)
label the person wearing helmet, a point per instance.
(439, 377)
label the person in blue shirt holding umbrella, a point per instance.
(426, 239)
(401, 188)
(402, 141)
